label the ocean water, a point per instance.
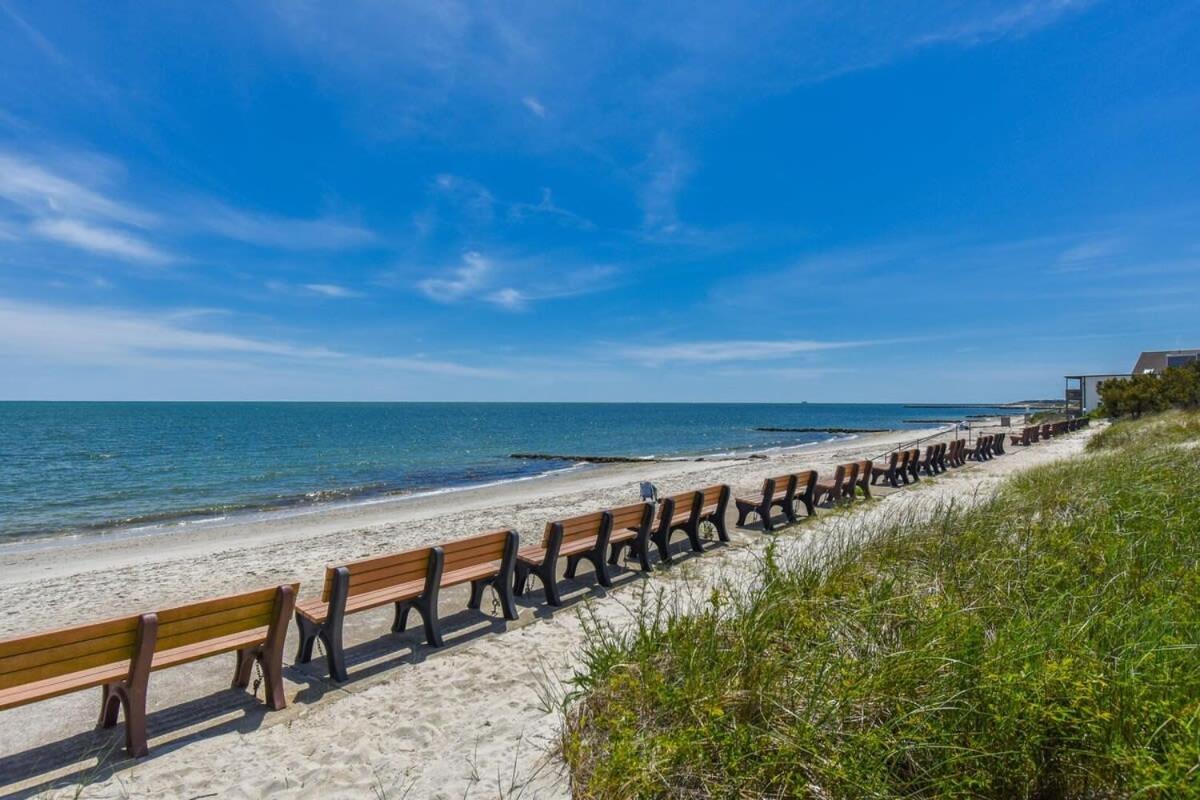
(79, 467)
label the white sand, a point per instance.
(470, 719)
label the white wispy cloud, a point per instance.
(547, 207)
(460, 282)
(1010, 20)
(124, 338)
(285, 233)
(471, 197)
(41, 190)
(666, 170)
(61, 201)
(331, 290)
(1089, 251)
(730, 350)
(512, 285)
(100, 240)
(535, 106)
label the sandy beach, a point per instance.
(475, 718)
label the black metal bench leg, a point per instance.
(602, 573)
(520, 578)
(643, 555)
(719, 523)
(308, 637)
(427, 606)
(477, 588)
(572, 566)
(765, 515)
(693, 534)
(334, 656)
(400, 622)
(546, 574)
(664, 550)
(503, 587)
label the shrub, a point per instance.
(1177, 387)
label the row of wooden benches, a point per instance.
(119, 655)
(1033, 433)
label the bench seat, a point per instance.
(535, 554)
(63, 684)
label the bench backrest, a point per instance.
(902, 458)
(219, 616)
(839, 474)
(586, 526)
(369, 574)
(711, 495)
(779, 486)
(635, 516)
(851, 475)
(472, 551)
(40, 656)
(864, 471)
(805, 481)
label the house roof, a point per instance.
(1158, 360)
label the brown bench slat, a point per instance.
(195, 651)
(44, 689)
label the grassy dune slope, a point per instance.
(1044, 645)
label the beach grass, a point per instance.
(1043, 644)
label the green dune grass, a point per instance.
(1043, 645)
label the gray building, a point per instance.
(1083, 391)
(1155, 362)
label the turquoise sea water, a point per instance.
(71, 467)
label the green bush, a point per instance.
(1043, 645)
(1177, 387)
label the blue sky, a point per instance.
(821, 201)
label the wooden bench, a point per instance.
(631, 529)
(831, 490)
(1026, 437)
(864, 476)
(954, 453)
(118, 655)
(834, 490)
(410, 580)
(914, 464)
(714, 502)
(888, 471)
(1047, 430)
(680, 512)
(998, 444)
(980, 449)
(902, 466)
(778, 491)
(941, 456)
(929, 462)
(576, 539)
(805, 491)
